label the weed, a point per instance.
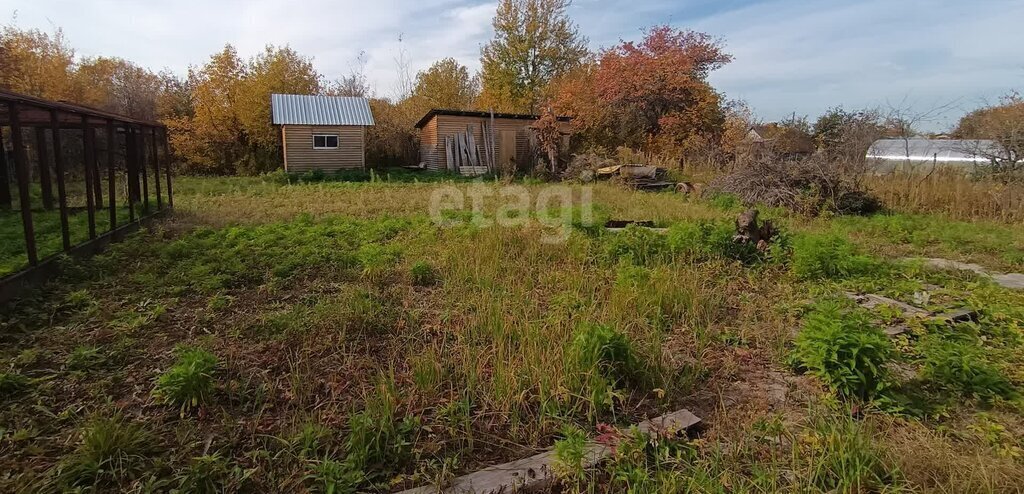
(423, 274)
(111, 450)
(704, 240)
(636, 245)
(570, 453)
(602, 359)
(84, 358)
(12, 384)
(427, 371)
(378, 441)
(310, 440)
(829, 256)
(842, 458)
(844, 350)
(206, 474)
(963, 368)
(189, 382)
(335, 477)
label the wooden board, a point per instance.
(506, 147)
(535, 472)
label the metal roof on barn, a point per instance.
(298, 109)
(941, 150)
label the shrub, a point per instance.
(844, 350)
(423, 274)
(964, 368)
(189, 382)
(111, 450)
(828, 256)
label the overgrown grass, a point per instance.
(360, 347)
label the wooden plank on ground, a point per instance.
(535, 472)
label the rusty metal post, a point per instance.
(58, 168)
(46, 183)
(97, 180)
(132, 166)
(89, 161)
(111, 174)
(156, 171)
(21, 171)
(5, 177)
(145, 173)
(167, 167)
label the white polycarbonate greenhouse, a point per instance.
(962, 152)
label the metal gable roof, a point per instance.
(297, 109)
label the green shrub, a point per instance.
(111, 450)
(189, 382)
(423, 274)
(828, 256)
(963, 368)
(844, 350)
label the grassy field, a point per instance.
(330, 337)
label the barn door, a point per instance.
(506, 148)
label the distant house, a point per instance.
(322, 132)
(890, 154)
(781, 140)
(512, 135)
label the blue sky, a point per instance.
(790, 56)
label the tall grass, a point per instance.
(950, 193)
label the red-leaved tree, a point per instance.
(652, 95)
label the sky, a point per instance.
(941, 58)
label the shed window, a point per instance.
(325, 141)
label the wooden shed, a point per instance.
(322, 132)
(511, 132)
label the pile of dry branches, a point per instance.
(809, 186)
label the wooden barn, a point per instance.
(322, 132)
(510, 134)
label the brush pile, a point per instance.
(811, 186)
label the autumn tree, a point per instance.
(652, 95)
(534, 42)
(36, 63)
(353, 84)
(446, 84)
(1002, 123)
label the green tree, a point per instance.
(534, 42)
(447, 84)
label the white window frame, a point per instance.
(337, 141)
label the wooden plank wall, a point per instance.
(300, 155)
(432, 148)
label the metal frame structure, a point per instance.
(20, 114)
